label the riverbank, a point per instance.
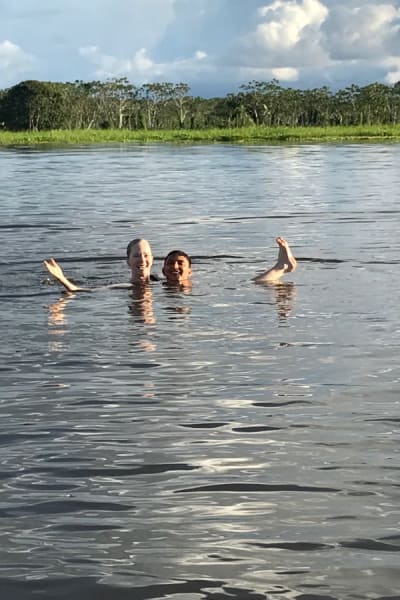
(237, 135)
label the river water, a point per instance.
(232, 441)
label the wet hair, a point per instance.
(175, 253)
(131, 244)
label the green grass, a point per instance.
(239, 135)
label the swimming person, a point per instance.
(139, 258)
(286, 263)
(177, 268)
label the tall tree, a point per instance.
(34, 105)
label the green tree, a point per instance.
(34, 105)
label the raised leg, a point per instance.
(285, 263)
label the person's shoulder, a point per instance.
(154, 277)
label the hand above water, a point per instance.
(54, 269)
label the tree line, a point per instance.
(118, 104)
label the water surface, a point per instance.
(236, 441)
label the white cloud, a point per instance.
(212, 45)
(393, 65)
(141, 68)
(13, 57)
(200, 55)
(13, 60)
(319, 40)
(285, 74)
(366, 35)
(286, 38)
(367, 31)
(111, 66)
(393, 77)
(286, 22)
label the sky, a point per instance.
(212, 45)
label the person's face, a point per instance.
(140, 261)
(177, 269)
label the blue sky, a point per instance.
(213, 45)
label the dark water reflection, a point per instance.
(230, 441)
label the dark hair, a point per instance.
(130, 246)
(174, 253)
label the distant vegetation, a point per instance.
(116, 110)
(235, 135)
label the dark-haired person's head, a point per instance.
(140, 260)
(177, 267)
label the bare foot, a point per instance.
(285, 256)
(285, 263)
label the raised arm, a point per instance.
(56, 271)
(285, 263)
